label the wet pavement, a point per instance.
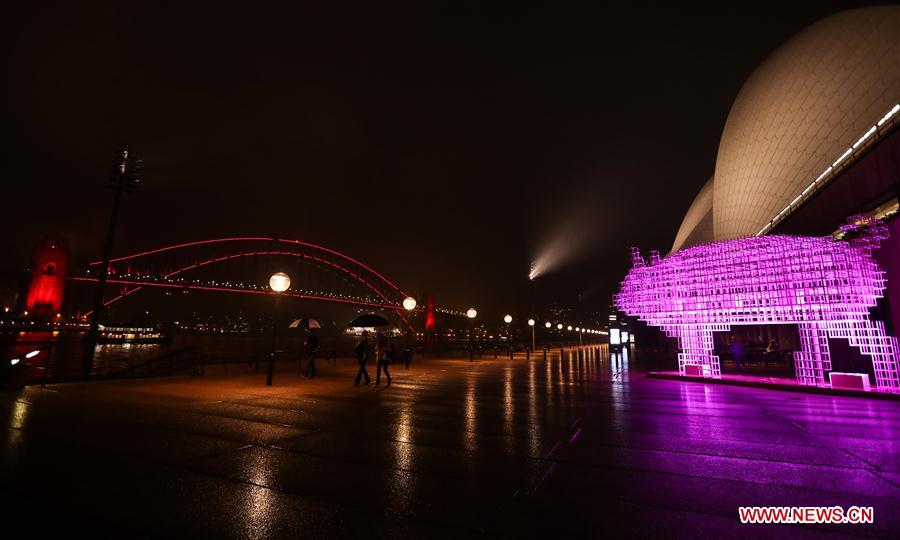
(578, 447)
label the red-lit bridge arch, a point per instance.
(200, 266)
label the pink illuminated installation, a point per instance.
(826, 287)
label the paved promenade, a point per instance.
(496, 448)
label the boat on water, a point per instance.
(131, 334)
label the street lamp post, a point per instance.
(124, 178)
(531, 324)
(471, 313)
(279, 282)
(508, 319)
(409, 304)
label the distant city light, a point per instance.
(569, 328)
(530, 322)
(507, 319)
(33, 353)
(547, 325)
(559, 326)
(471, 313)
(13, 361)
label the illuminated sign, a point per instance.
(614, 337)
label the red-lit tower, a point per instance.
(48, 274)
(429, 312)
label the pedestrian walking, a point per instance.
(362, 356)
(381, 359)
(772, 351)
(737, 351)
(312, 349)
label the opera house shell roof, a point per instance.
(802, 108)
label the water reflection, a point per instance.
(259, 503)
(534, 430)
(18, 417)
(619, 360)
(509, 410)
(470, 441)
(403, 432)
(548, 385)
(260, 511)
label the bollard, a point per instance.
(47, 367)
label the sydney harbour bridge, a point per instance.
(229, 264)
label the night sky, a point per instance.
(445, 144)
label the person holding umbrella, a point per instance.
(311, 344)
(381, 359)
(369, 320)
(362, 356)
(312, 348)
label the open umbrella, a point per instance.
(305, 323)
(369, 320)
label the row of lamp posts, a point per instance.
(281, 282)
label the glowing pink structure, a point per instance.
(826, 287)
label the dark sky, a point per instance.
(446, 144)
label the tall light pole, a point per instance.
(124, 179)
(409, 304)
(471, 313)
(508, 319)
(531, 324)
(279, 282)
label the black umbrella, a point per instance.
(370, 320)
(306, 323)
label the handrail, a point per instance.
(168, 355)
